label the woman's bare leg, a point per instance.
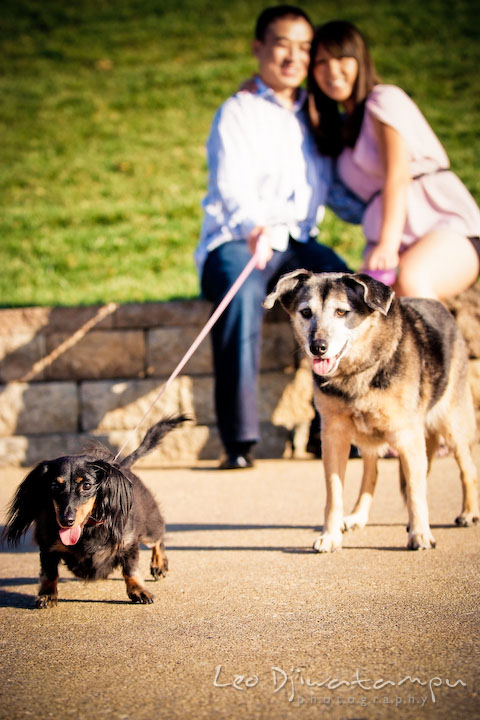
(439, 265)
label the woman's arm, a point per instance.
(396, 162)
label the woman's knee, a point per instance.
(413, 281)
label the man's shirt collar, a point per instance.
(267, 92)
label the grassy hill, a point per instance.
(106, 105)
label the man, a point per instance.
(268, 184)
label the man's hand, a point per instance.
(259, 245)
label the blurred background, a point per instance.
(105, 109)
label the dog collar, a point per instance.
(93, 521)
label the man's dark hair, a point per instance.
(269, 15)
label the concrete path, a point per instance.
(250, 623)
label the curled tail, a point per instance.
(152, 438)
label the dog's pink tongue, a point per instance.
(70, 536)
(322, 366)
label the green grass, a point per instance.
(106, 105)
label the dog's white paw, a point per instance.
(420, 541)
(467, 519)
(328, 542)
(355, 521)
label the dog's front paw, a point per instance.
(420, 541)
(136, 590)
(141, 595)
(355, 521)
(328, 542)
(46, 601)
(467, 519)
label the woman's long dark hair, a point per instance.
(333, 132)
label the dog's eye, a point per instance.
(340, 312)
(306, 313)
(86, 485)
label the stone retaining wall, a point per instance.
(68, 374)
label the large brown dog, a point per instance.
(387, 372)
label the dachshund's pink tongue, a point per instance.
(322, 366)
(70, 536)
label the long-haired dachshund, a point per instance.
(92, 512)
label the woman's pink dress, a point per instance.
(437, 200)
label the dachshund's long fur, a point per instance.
(92, 512)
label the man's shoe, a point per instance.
(236, 462)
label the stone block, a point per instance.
(82, 319)
(19, 353)
(108, 405)
(183, 446)
(55, 319)
(279, 348)
(175, 313)
(29, 450)
(13, 451)
(197, 399)
(100, 354)
(466, 308)
(38, 408)
(30, 320)
(166, 346)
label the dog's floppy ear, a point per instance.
(287, 288)
(28, 501)
(114, 498)
(376, 295)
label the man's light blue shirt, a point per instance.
(264, 170)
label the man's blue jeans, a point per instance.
(236, 336)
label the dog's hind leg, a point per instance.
(433, 442)
(358, 518)
(460, 433)
(136, 590)
(159, 561)
(47, 592)
(470, 513)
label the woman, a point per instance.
(421, 223)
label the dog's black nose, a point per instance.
(318, 347)
(68, 519)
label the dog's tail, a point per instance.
(153, 438)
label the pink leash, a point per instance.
(257, 258)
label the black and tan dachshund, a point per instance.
(92, 512)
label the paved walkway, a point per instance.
(249, 622)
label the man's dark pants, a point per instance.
(236, 336)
